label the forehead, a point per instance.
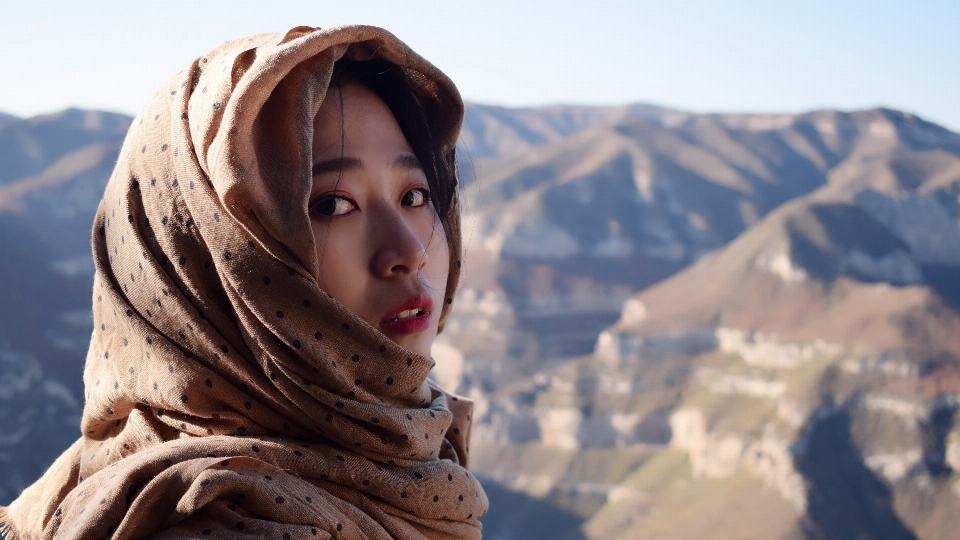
(352, 115)
(349, 101)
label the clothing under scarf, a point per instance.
(227, 396)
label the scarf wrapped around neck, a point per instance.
(226, 394)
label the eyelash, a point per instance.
(335, 199)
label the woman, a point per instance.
(276, 251)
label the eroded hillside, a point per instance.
(812, 358)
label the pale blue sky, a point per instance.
(721, 55)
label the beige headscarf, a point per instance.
(226, 394)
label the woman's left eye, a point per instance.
(415, 197)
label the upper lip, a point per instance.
(417, 300)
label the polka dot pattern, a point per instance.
(225, 392)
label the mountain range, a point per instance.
(674, 325)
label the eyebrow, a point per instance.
(404, 162)
(337, 164)
(407, 162)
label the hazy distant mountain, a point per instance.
(489, 130)
(29, 146)
(614, 200)
(885, 222)
(674, 325)
(800, 381)
(53, 169)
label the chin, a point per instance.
(424, 343)
(420, 346)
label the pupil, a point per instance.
(413, 198)
(327, 207)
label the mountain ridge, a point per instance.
(662, 313)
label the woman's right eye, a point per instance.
(333, 205)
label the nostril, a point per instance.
(401, 251)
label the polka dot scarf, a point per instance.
(226, 394)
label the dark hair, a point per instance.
(417, 115)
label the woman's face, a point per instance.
(380, 244)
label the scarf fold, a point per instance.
(226, 394)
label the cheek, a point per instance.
(321, 237)
(338, 257)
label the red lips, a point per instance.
(410, 317)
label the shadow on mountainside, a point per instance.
(44, 314)
(935, 431)
(945, 279)
(516, 516)
(845, 499)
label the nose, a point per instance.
(399, 249)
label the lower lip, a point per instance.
(407, 326)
